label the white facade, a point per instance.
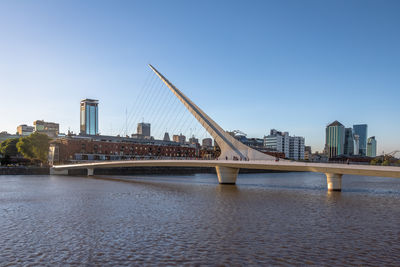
(279, 143)
(273, 142)
(293, 147)
(356, 144)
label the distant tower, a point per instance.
(356, 144)
(89, 117)
(349, 142)
(334, 139)
(166, 137)
(361, 130)
(143, 129)
(371, 147)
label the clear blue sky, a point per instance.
(251, 65)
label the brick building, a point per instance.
(74, 149)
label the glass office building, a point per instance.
(348, 142)
(361, 130)
(89, 117)
(371, 147)
(335, 137)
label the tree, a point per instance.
(34, 146)
(25, 147)
(8, 148)
(374, 162)
(40, 144)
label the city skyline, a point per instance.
(285, 72)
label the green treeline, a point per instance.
(385, 161)
(34, 147)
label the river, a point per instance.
(266, 219)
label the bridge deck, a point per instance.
(368, 170)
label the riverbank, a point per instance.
(23, 170)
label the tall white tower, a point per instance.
(356, 144)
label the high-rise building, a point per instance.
(356, 145)
(296, 147)
(25, 130)
(371, 147)
(348, 142)
(362, 131)
(292, 146)
(143, 129)
(89, 117)
(334, 139)
(50, 128)
(278, 141)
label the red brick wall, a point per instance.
(69, 147)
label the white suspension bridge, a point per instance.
(227, 169)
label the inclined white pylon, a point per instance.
(230, 147)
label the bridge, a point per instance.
(235, 155)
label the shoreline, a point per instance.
(23, 170)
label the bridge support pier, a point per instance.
(54, 171)
(90, 172)
(227, 175)
(334, 181)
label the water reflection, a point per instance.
(227, 189)
(333, 197)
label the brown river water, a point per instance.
(266, 219)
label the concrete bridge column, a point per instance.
(334, 181)
(227, 175)
(54, 171)
(90, 172)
